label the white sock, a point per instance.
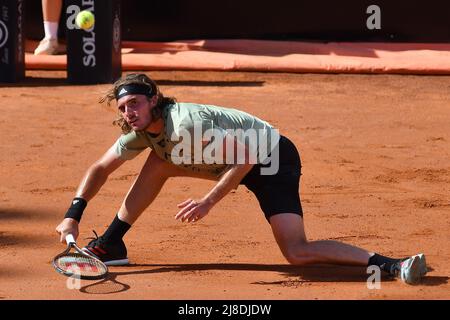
(51, 30)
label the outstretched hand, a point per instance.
(192, 211)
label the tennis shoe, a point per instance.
(111, 254)
(48, 46)
(423, 264)
(412, 269)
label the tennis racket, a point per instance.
(78, 264)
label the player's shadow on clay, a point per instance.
(62, 82)
(25, 214)
(10, 237)
(38, 82)
(109, 285)
(296, 276)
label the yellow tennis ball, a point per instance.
(85, 20)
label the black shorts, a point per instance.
(278, 193)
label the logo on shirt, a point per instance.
(219, 146)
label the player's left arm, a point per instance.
(193, 210)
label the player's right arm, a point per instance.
(94, 178)
(98, 173)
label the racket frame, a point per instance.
(70, 240)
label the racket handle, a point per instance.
(70, 239)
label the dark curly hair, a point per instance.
(138, 78)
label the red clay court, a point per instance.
(376, 174)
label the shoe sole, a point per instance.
(423, 264)
(118, 262)
(412, 274)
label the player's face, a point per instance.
(136, 110)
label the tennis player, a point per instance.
(209, 142)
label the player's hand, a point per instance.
(192, 211)
(67, 226)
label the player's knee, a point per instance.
(297, 254)
(156, 164)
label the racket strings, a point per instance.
(78, 264)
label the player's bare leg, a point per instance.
(147, 186)
(51, 12)
(289, 233)
(110, 247)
